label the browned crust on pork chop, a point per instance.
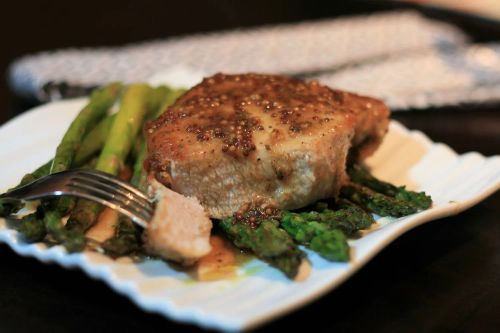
(234, 138)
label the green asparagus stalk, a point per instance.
(122, 134)
(91, 144)
(72, 241)
(156, 100)
(361, 176)
(127, 237)
(42, 171)
(328, 242)
(94, 140)
(288, 262)
(10, 207)
(347, 217)
(419, 199)
(300, 228)
(267, 241)
(100, 102)
(125, 128)
(169, 100)
(32, 226)
(331, 245)
(378, 203)
(52, 222)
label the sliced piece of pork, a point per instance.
(180, 228)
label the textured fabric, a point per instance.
(432, 77)
(294, 49)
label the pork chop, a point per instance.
(234, 139)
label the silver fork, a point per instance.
(92, 185)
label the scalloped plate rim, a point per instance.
(192, 314)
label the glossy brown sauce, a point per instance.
(222, 262)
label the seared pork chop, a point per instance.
(234, 139)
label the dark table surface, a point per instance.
(443, 276)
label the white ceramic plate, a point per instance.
(260, 293)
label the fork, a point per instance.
(92, 185)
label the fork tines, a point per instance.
(122, 196)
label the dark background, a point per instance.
(441, 277)
(33, 26)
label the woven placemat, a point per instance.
(351, 53)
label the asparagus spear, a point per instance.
(289, 262)
(94, 140)
(161, 97)
(92, 143)
(125, 241)
(72, 241)
(331, 245)
(171, 97)
(42, 171)
(378, 203)
(9, 207)
(324, 231)
(32, 226)
(419, 199)
(13, 206)
(156, 100)
(100, 102)
(327, 241)
(124, 129)
(361, 176)
(347, 217)
(118, 143)
(268, 241)
(127, 236)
